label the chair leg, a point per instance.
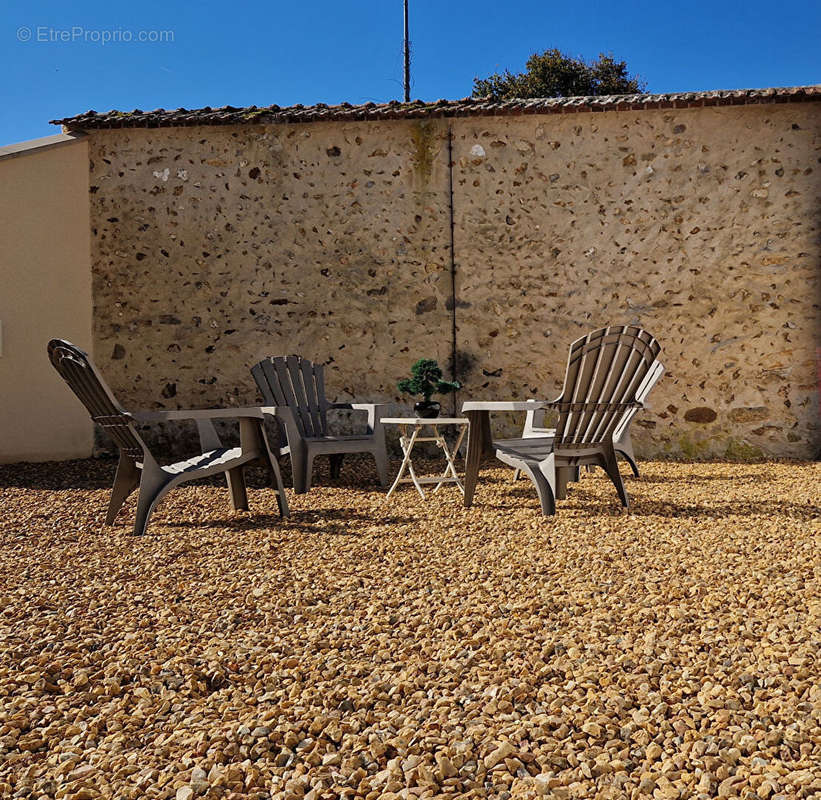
(279, 488)
(236, 485)
(125, 482)
(612, 469)
(336, 464)
(308, 473)
(543, 478)
(542, 475)
(298, 467)
(153, 485)
(565, 475)
(562, 476)
(629, 459)
(380, 455)
(276, 476)
(516, 474)
(625, 447)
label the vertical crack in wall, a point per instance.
(452, 271)
(698, 224)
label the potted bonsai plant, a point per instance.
(425, 382)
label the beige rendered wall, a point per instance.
(45, 291)
(214, 246)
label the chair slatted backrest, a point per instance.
(78, 371)
(299, 384)
(651, 379)
(605, 370)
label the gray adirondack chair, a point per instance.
(606, 370)
(139, 468)
(622, 443)
(296, 387)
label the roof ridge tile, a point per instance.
(467, 106)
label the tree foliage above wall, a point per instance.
(556, 74)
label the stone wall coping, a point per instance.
(418, 109)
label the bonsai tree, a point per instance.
(427, 380)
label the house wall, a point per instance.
(215, 246)
(45, 291)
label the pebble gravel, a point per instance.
(410, 649)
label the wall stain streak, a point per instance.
(215, 246)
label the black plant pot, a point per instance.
(427, 409)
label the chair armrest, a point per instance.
(258, 412)
(357, 406)
(534, 419)
(209, 439)
(503, 405)
(287, 421)
(375, 412)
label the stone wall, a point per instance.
(214, 246)
(701, 225)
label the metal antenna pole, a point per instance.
(407, 57)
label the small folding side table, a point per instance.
(410, 429)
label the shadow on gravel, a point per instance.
(768, 508)
(684, 478)
(644, 508)
(90, 473)
(98, 473)
(306, 520)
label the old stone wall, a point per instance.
(702, 225)
(215, 246)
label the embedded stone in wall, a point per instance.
(650, 218)
(214, 247)
(749, 414)
(700, 414)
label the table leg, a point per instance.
(479, 442)
(441, 444)
(411, 470)
(449, 454)
(407, 449)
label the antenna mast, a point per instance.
(407, 56)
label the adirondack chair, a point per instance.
(605, 372)
(139, 467)
(622, 443)
(296, 387)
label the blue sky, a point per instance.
(249, 52)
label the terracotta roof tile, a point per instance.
(469, 106)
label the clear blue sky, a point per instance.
(246, 52)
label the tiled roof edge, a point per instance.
(469, 106)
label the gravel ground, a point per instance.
(409, 649)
